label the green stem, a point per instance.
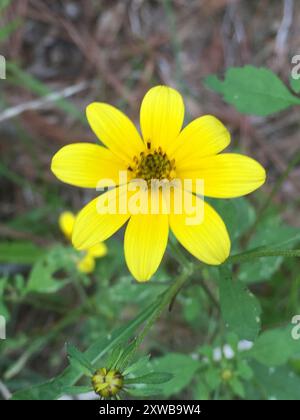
(166, 300)
(261, 253)
(210, 295)
(184, 261)
(177, 253)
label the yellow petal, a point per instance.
(226, 175)
(98, 250)
(204, 136)
(66, 223)
(99, 219)
(115, 130)
(162, 114)
(145, 242)
(86, 164)
(208, 239)
(86, 264)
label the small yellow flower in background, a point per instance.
(66, 223)
(87, 263)
(164, 151)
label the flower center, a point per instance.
(107, 383)
(153, 164)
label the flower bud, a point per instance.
(107, 383)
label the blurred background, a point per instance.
(62, 55)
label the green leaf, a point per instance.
(295, 84)
(279, 383)
(114, 357)
(237, 387)
(192, 307)
(207, 351)
(19, 252)
(233, 340)
(79, 360)
(238, 215)
(42, 277)
(181, 366)
(151, 378)
(126, 355)
(138, 365)
(144, 392)
(240, 309)
(244, 370)
(201, 391)
(214, 83)
(275, 347)
(271, 232)
(212, 378)
(252, 90)
(55, 388)
(76, 390)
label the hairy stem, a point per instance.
(261, 253)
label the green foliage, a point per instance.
(8, 29)
(42, 277)
(244, 370)
(237, 387)
(280, 383)
(251, 90)
(240, 309)
(223, 369)
(201, 391)
(238, 215)
(76, 390)
(275, 347)
(212, 377)
(55, 388)
(145, 391)
(181, 366)
(4, 4)
(3, 308)
(192, 307)
(271, 231)
(79, 360)
(139, 366)
(295, 84)
(151, 378)
(19, 252)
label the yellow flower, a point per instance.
(107, 382)
(164, 151)
(87, 263)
